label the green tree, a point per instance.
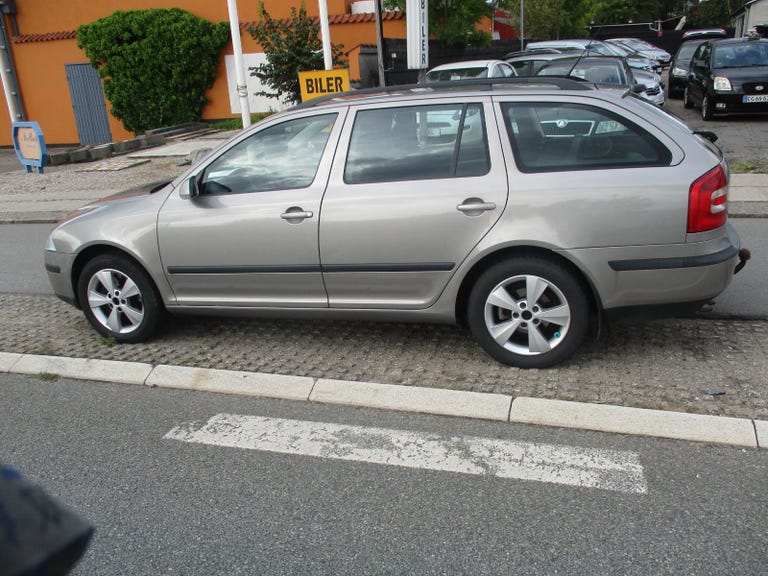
(548, 19)
(291, 47)
(156, 64)
(622, 11)
(715, 13)
(454, 21)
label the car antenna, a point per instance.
(585, 51)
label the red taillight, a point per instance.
(707, 201)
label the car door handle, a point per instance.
(296, 214)
(475, 206)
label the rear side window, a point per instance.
(558, 137)
(417, 143)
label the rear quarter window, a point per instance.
(564, 137)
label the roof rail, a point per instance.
(452, 85)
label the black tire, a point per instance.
(529, 335)
(687, 98)
(119, 298)
(706, 108)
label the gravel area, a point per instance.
(664, 364)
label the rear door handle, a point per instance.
(475, 206)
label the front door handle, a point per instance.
(475, 206)
(295, 214)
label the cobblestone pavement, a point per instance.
(741, 138)
(663, 364)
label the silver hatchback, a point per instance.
(525, 209)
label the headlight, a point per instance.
(722, 83)
(679, 72)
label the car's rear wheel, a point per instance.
(528, 312)
(706, 108)
(687, 98)
(119, 299)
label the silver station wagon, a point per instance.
(526, 209)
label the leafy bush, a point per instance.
(156, 64)
(291, 47)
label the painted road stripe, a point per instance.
(590, 468)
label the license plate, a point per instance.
(758, 98)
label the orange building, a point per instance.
(55, 81)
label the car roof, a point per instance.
(705, 33)
(735, 41)
(458, 88)
(465, 64)
(539, 56)
(572, 41)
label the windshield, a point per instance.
(741, 55)
(687, 49)
(457, 74)
(599, 73)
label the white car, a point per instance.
(471, 69)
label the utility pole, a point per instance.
(237, 46)
(326, 34)
(380, 44)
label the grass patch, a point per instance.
(46, 377)
(237, 123)
(108, 342)
(750, 167)
(44, 350)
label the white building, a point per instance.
(753, 13)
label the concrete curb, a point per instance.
(740, 432)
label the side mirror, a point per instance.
(189, 189)
(638, 88)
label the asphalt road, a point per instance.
(21, 267)
(161, 506)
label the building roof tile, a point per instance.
(333, 19)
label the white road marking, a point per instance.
(590, 468)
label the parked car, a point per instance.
(470, 69)
(610, 71)
(728, 76)
(593, 48)
(529, 63)
(554, 206)
(643, 48)
(680, 65)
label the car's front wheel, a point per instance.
(119, 299)
(706, 108)
(528, 312)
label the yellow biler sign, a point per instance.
(323, 82)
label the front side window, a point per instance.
(561, 136)
(281, 157)
(417, 143)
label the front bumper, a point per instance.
(58, 265)
(733, 103)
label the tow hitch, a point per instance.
(744, 255)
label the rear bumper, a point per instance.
(634, 276)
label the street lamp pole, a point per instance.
(237, 47)
(325, 30)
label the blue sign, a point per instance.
(29, 144)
